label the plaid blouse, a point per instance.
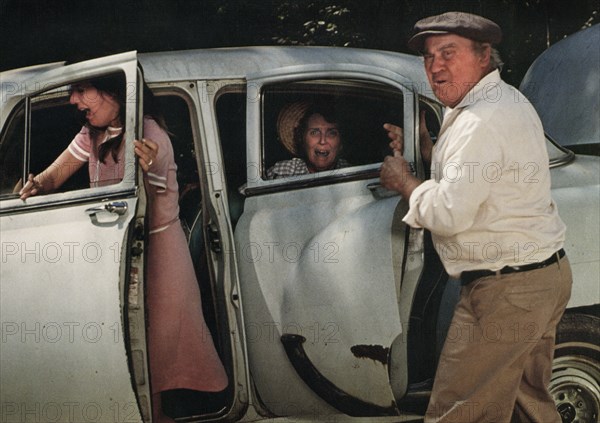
(296, 167)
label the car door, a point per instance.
(71, 284)
(326, 279)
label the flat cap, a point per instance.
(464, 24)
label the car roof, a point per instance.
(244, 62)
(248, 62)
(563, 84)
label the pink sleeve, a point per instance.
(164, 161)
(81, 145)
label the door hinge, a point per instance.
(214, 238)
(137, 246)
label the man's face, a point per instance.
(453, 67)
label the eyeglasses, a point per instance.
(329, 133)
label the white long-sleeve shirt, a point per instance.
(488, 202)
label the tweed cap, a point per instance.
(464, 24)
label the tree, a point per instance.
(36, 32)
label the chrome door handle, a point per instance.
(116, 207)
(379, 191)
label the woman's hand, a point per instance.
(146, 150)
(32, 187)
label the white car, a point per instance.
(322, 303)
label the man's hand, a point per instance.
(425, 139)
(396, 134)
(396, 175)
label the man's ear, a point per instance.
(486, 54)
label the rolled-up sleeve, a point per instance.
(80, 146)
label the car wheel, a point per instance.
(575, 383)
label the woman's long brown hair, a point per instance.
(115, 86)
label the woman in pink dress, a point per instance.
(181, 350)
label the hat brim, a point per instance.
(417, 42)
(287, 122)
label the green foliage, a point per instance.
(317, 23)
(34, 31)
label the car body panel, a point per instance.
(310, 277)
(245, 62)
(576, 190)
(73, 329)
(63, 292)
(563, 84)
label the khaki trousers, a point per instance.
(497, 357)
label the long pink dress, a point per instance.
(182, 352)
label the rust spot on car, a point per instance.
(374, 352)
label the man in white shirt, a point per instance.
(494, 225)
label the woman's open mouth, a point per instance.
(322, 153)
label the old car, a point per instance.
(322, 303)
(575, 60)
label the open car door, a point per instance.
(71, 284)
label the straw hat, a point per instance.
(287, 122)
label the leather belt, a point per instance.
(471, 275)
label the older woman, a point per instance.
(310, 132)
(182, 353)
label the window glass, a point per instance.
(433, 117)
(54, 122)
(359, 107)
(231, 119)
(11, 154)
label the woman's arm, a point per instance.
(52, 177)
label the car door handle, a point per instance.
(379, 191)
(116, 207)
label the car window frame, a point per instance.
(255, 165)
(55, 80)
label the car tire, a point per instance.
(575, 382)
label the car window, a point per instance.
(11, 153)
(231, 118)
(433, 116)
(54, 122)
(360, 107)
